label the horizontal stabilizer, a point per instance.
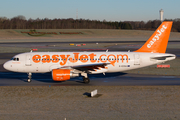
(161, 58)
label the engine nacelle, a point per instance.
(63, 74)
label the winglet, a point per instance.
(157, 43)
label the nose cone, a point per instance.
(6, 66)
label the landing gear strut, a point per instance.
(29, 77)
(86, 80)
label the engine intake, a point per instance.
(62, 74)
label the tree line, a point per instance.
(20, 22)
(154, 24)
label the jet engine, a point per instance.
(63, 74)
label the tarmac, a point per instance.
(110, 79)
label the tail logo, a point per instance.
(156, 37)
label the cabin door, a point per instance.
(28, 60)
(136, 59)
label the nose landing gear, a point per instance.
(29, 77)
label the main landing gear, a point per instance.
(29, 77)
(86, 80)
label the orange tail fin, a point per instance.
(157, 43)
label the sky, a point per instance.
(109, 10)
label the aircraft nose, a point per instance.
(6, 66)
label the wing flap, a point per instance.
(92, 67)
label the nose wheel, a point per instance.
(29, 77)
(29, 80)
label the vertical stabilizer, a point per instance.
(157, 43)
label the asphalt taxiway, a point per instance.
(110, 79)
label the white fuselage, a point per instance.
(42, 62)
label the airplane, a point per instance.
(66, 65)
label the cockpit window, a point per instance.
(15, 59)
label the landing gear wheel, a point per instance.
(29, 80)
(86, 80)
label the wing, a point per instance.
(90, 68)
